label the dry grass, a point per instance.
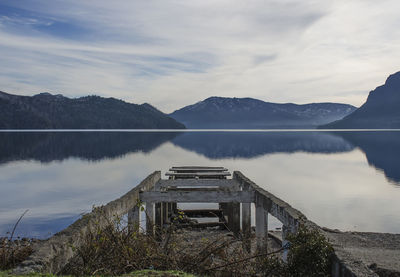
(117, 249)
(13, 252)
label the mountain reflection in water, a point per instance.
(91, 146)
(250, 145)
(59, 175)
(382, 149)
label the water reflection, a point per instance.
(92, 146)
(53, 175)
(251, 145)
(382, 150)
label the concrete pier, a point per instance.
(234, 197)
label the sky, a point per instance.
(174, 53)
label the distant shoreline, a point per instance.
(191, 130)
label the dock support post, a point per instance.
(246, 226)
(261, 227)
(149, 218)
(170, 210)
(158, 214)
(246, 219)
(174, 207)
(224, 208)
(234, 217)
(158, 219)
(134, 219)
(285, 230)
(165, 211)
(246, 213)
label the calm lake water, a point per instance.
(344, 180)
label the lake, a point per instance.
(349, 180)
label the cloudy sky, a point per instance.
(174, 53)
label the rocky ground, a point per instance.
(378, 251)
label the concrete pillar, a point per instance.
(224, 208)
(134, 219)
(246, 226)
(234, 217)
(150, 219)
(158, 215)
(174, 207)
(285, 231)
(246, 219)
(261, 227)
(165, 212)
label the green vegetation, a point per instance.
(310, 255)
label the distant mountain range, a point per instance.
(47, 111)
(249, 113)
(380, 111)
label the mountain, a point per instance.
(249, 113)
(47, 111)
(380, 111)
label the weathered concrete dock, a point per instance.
(234, 196)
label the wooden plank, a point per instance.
(195, 174)
(197, 183)
(195, 189)
(197, 196)
(197, 168)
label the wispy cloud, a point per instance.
(173, 53)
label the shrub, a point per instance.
(310, 253)
(309, 256)
(13, 252)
